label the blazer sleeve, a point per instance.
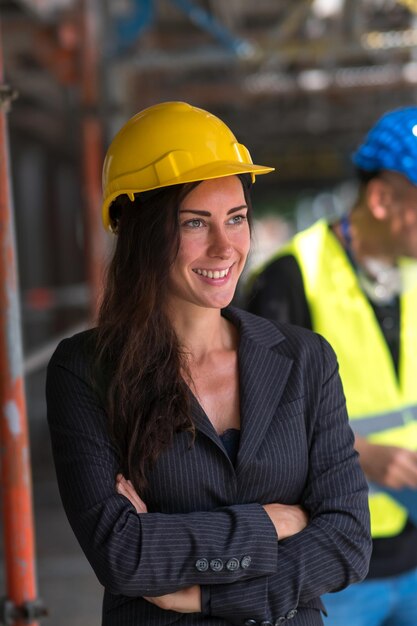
(333, 551)
(139, 554)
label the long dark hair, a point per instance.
(137, 347)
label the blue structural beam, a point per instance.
(207, 22)
(131, 26)
(142, 13)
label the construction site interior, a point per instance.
(298, 82)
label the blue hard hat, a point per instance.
(391, 145)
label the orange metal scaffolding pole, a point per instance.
(21, 605)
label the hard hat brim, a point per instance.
(219, 169)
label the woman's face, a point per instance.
(214, 244)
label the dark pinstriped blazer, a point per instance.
(205, 523)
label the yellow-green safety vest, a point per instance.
(382, 406)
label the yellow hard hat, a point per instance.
(167, 144)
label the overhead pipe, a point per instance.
(21, 604)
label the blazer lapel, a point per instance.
(263, 376)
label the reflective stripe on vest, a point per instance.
(381, 407)
(365, 426)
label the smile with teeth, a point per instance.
(213, 273)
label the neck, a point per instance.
(201, 331)
(365, 238)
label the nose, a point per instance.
(219, 245)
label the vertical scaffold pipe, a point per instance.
(18, 528)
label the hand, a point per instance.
(183, 601)
(288, 519)
(125, 488)
(390, 466)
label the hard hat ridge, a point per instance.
(168, 144)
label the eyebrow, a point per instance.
(208, 214)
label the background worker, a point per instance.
(354, 282)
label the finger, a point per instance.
(141, 507)
(149, 599)
(123, 488)
(402, 478)
(122, 485)
(405, 471)
(126, 485)
(120, 488)
(131, 491)
(137, 504)
(399, 478)
(161, 601)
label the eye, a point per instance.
(237, 219)
(194, 223)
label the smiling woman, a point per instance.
(204, 456)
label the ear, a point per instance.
(379, 198)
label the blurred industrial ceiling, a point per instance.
(299, 81)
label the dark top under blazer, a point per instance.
(205, 523)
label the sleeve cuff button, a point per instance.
(216, 565)
(202, 565)
(291, 614)
(232, 564)
(245, 562)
